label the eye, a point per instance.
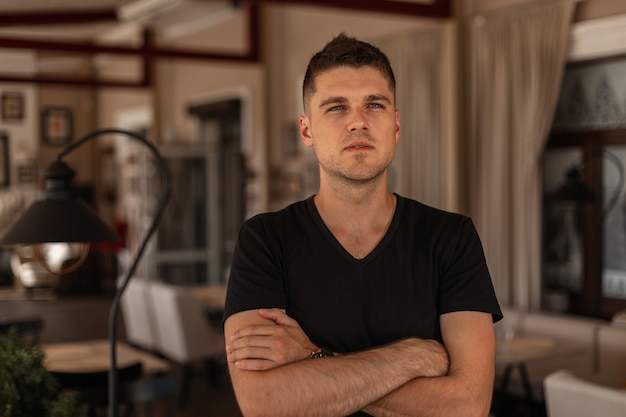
(336, 108)
(376, 105)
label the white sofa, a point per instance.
(570, 396)
(602, 347)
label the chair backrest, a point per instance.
(138, 313)
(569, 396)
(184, 332)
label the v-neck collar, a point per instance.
(393, 226)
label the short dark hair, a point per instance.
(344, 51)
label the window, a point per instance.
(584, 241)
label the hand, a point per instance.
(268, 346)
(433, 359)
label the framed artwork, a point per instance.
(4, 160)
(12, 106)
(56, 125)
(26, 172)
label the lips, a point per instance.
(359, 146)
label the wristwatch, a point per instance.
(321, 352)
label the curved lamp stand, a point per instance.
(59, 216)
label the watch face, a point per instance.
(323, 353)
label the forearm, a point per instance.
(467, 388)
(451, 395)
(328, 387)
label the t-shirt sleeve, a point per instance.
(466, 284)
(256, 276)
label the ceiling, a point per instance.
(142, 28)
(88, 20)
(62, 17)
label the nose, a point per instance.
(357, 121)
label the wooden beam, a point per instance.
(38, 18)
(437, 9)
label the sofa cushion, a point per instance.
(572, 331)
(612, 351)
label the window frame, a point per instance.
(590, 301)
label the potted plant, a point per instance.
(27, 388)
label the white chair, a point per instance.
(569, 396)
(138, 313)
(185, 335)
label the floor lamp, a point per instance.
(58, 215)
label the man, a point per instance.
(357, 301)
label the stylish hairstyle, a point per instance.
(344, 51)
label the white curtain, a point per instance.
(418, 170)
(516, 57)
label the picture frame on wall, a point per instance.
(12, 106)
(57, 126)
(4, 160)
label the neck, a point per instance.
(357, 223)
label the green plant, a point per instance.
(27, 389)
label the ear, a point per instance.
(397, 125)
(305, 131)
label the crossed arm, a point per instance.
(410, 377)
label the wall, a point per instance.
(22, 132)
(79, 102)
(180, 83)
(275, 82)
(288, 50)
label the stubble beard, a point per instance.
(355, 174)
(342, 177)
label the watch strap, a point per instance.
(321, 352)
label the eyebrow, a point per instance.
(333, 100)
(340, 99)
(378, 97)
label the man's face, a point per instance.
(352, 124)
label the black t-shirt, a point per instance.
(429, 262)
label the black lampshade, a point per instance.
(574, 188)
(58, 221)
(58, 215)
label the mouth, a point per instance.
(358, 147)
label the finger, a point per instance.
(253, 341)
(236, 354)
(255, 364)
(277, 316)
(254, 330)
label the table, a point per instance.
(94, 356)
(214, 296)
(515, 353)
